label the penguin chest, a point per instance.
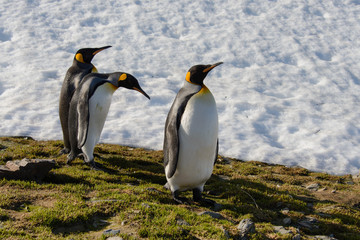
(198, 135)
(99, 105)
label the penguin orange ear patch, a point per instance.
(122, 77)
(187, 78)
(79, 57)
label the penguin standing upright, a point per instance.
(191, 136)
(89, 107)
(80, 67)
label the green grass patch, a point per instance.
(75, 202)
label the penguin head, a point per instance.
(197, 73)
(85, 55)
(120, 79)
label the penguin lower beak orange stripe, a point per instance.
(141, 91)
(211, 67)
(100, 49)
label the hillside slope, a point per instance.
(74, 202)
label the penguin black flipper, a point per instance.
(171, 138)
(83, 104)
(216, 151)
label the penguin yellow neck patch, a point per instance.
(204, 90)
(94, 70)
(122, 77)
(79, 57)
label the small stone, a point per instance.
(246, 226)
(182, 222)
(323, 237)
(111, 232)
(333, 191)
(308, 223)
(296, 237)
(115, 238)
(287, 221)
(285, 211)
(145, 205)
(212, 214)
(313, 187)
(282, 230)
(224, 177)
(123, 223)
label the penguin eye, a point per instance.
(122, 77)
(79, 57)
(187, 78)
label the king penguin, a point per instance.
(89, 107)
(191, 136)
(80, 67)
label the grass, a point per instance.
(75, 202)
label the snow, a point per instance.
(287, 93)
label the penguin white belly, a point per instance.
(99, 105)
(198, 134)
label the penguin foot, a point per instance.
(70, 158)
(179, 200)
(197, 197)
(94, 166)
(64, 151)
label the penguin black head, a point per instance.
(197, 73)
(120, 79)
(85, 55)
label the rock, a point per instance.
(115, 238)
(282, 230)
(27, 169)
(182, 222)
(145, 205)
(212, 214)
(111, 232)
(287, 221)
(296, 237)
(285, 211)
(246, 226)
(313, 187)
(321, 237)
(309, 223)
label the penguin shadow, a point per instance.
(143, 167)
(247, 197)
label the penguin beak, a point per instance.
(208, 69)
(141, 91)
(100, 49)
